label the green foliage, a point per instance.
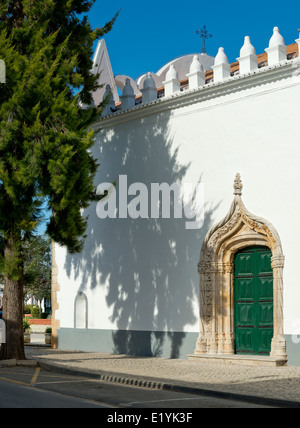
(48, 330)
(36, 254)
(44, 141)
(26, 326)
(44, 138)
(27, 309)
(1, 258)
(36, 312)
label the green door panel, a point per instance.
(253, 301)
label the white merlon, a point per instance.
(221, 57)
(276, 51)
(172, 83)
(110, 106)
(276, 39)
(222, 67)
(248, 58)
(196, 75)
(149, 90)
(128, 96)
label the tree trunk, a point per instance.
(13, 302)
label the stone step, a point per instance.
(253, 360)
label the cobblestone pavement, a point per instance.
(277, 383)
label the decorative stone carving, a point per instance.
(228, 267)
(238, 185)
(217, 236)
(277, 262)
(239, 229)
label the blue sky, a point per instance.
(147, 34)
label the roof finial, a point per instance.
(204, 36)
(238, 185)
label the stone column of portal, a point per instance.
(205, 315)
(278, 345)
(228, 346)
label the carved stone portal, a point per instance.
(238, 230)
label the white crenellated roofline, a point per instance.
(213, 90)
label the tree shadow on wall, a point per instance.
(148, 267)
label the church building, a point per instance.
(193, 251)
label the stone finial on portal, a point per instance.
(238, 185)
(127, 97)
(248, 58)
(172, 83)
(277, 50)
(196, 75)
(221, 68)
(149, 90)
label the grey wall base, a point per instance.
(293, 349)
(143, 343)
(146, 343)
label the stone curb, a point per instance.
(154, 383)
(19, 363)
(37, 345)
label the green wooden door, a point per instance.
(253, 301)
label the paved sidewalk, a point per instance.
(277, 385)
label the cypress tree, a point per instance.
(44, 137)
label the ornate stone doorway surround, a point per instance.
(238, 230)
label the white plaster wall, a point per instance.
(256, 135)
(142, 274)
(70, 284)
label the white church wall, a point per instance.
(257, 137)
(140, 275)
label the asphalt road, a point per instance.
(22, 387)
(18, 396)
